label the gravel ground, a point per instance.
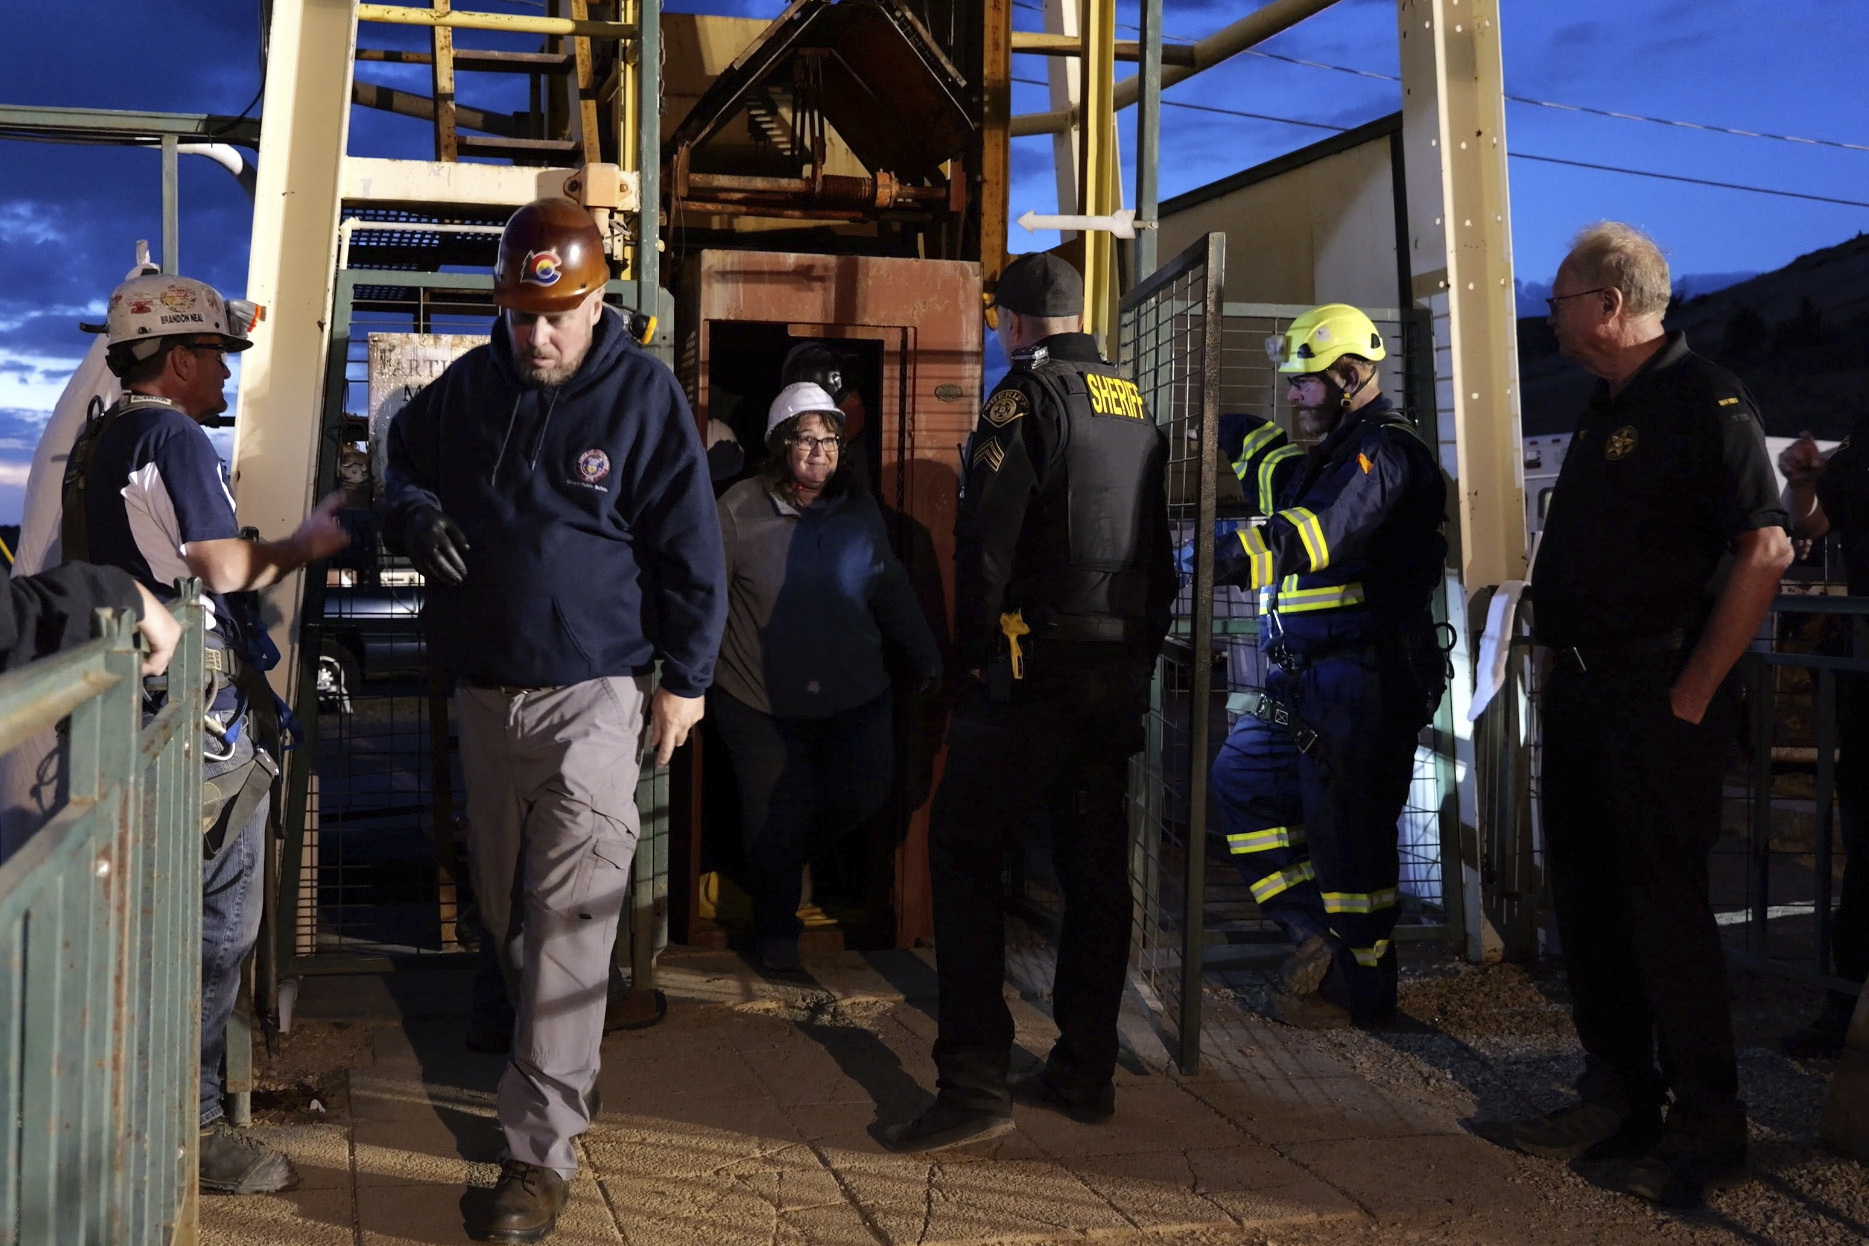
(302, 1081)
(1490, 1043)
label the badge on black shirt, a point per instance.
(1620, 444)
(1006, 406)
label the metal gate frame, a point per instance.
(1169, 338)
(1173, 331)
(100, 970)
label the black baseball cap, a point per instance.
(1040, 284)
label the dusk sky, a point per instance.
(70, 216)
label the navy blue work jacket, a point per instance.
(1351, 544)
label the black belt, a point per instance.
(511, 690)
(1083, 629)
(1619, 653)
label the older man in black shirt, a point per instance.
(1661, 554)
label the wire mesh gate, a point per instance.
(370, 876)
(1169, 335)
(1195, 358)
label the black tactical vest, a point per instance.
(1081, 571)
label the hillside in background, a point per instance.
(1798, 337)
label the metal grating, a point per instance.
(1169, 336)
(1195, 358)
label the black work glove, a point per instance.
(436, 546)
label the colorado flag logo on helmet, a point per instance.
(541, 268)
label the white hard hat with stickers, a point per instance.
(146, 309)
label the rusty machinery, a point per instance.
(856, 115)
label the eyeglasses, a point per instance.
(806, 443)
(1553, 303)
(220, 352)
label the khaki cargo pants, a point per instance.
(552, 826)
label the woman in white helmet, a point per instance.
(802, 692)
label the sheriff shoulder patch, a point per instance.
(1005, 407)
(990, 454)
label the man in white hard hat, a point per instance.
(146, 492)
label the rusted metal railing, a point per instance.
(100, 960)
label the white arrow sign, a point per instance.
(1122, 223)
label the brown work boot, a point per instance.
(235, 1162)
(1304, 971)
(526, 1203)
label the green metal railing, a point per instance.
(100, 937)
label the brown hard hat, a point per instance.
(551, 256)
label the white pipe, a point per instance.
(224, 154)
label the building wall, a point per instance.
(1320, 231)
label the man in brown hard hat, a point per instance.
(551, 487)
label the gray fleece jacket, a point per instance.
(810, 596)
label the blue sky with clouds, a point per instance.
(70, 216)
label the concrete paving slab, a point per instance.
(1159, 1117)
(845, 1137)
(436, 1215)
(303, 1217)
(417, 1152)
(1434, 1176)
(321, 1153)
(788, 1204)
(1257, 1186)
(754, 1119)
(947, 1204)
(1316, 1109)
(685, 1152)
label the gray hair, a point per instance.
(1621, 257)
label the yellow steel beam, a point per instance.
(1099, 181)
(1180, 64)
(512, 23)
(291, 270)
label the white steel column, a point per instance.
(1460, 234)
(1065, 74)
(291, 271)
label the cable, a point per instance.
(1521, 155)
(1696, 181)
(1256, 116)
(1582, 108)
(245, 113)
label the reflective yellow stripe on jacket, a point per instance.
(1266, 468)
(1294, 600)
(1255, 441)
(1259, 552)
(1311, 531)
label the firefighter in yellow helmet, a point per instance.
(1312, 779)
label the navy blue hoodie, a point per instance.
(595, 547)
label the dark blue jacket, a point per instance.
(1351, 547)
(594, 544)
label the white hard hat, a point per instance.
(800, 398)
(158, 305)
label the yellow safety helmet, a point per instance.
(1324, 335)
